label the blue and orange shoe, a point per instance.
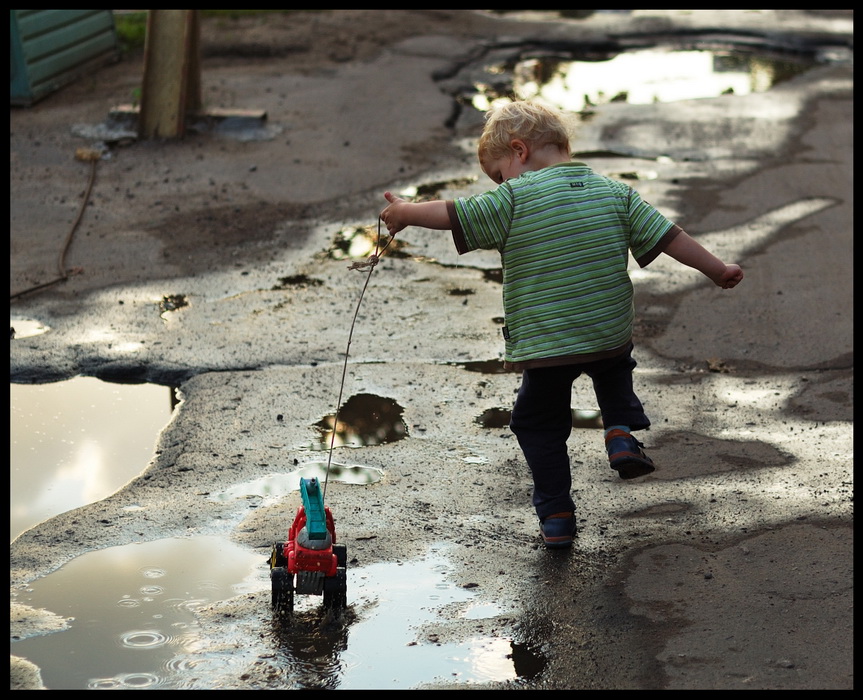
(626, 455)
(558, 530)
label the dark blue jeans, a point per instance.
(542, 421)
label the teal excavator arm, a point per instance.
(313, 502)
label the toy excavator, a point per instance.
(310, 562)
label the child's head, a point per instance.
(533, 123)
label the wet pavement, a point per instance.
(212, 265)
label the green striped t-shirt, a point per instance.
(564, 234)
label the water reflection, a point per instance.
(642, 77)
(500, 417)
(125, 630)
(365, 419)
(26, 328)
(133, 625)
(361, 241)
(275, 486)
(78, 441)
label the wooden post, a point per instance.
(172, 73)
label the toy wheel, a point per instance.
(341, 552)
(336, 590)
(283, 590)
(277, 556)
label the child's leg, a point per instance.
(612, 382)
(621, 414)
(542, 422)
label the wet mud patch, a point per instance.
(302, 281)
(172, 302)
(686, 455)
(202, 240)
(485, 367)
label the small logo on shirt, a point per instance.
(576, 184)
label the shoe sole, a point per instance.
(633, 469)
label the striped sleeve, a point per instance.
(649, 231)
(484, 220)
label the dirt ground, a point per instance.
(731, 567)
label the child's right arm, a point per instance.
(685, 249)
(400, 213)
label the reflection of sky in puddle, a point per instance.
(277, 485)
(360, 242)
(78, 441)
(132, 623)
(26, 328)
(480, 611)
(644, 77)
(133, 611)
(387, 647)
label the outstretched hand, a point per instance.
(390, 214)
(731, 277)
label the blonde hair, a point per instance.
(531, 122)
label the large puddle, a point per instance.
(130, 610)
(657, 74)
(131, 621)
(78, 441)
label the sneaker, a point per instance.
(558, 530)
(626, 455)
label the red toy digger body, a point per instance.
(310, 561)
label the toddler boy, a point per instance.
(564, 234)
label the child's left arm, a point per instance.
(685, 249)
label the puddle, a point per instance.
(586, 418)
(494, 418)
(132, 608)
(132, 625)
(500, 417)
(387, 648)
(642, 77)
(481, 611)
(364, 419)
(171, 302)
(238, 128)
(26, 328)
(274, 486)
(78, 441)
(485, 366)
(432, 190)
(494, 275)
(358, 242)
(122, 127)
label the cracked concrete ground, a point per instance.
(729, 567)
